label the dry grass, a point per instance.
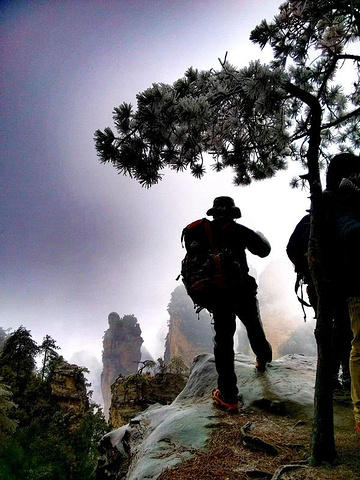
(226, 457)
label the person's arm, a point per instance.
(257, 243)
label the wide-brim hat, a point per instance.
(224, 207)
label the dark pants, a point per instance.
(341, 331)
(225, 325)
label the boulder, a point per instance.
(164, 436)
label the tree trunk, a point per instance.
(322, 439)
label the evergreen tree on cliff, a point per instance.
(254, 120)
(48, 427)
(48, 348)
(17, 361)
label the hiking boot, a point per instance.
(260, 365)
(220, 401)
(261, 362)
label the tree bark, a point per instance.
(322, 439)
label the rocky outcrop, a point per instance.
(68, 388)
(132, 394)
(121, 352)
(189, 334)
(165, 436)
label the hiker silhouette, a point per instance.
(342, 198)
(341, 337)
(232, 293)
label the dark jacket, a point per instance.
(346, 220)
(238, 238)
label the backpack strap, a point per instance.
(299, 284)
(210, 236)
(214, 248)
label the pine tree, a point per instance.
(37, 440)
(17, 360)
(254, 120)
(48, 348)
(7, 424)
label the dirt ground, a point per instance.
(228, 457)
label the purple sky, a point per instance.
(77, 240)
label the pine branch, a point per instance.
(121, 140)
(348, 56)
(326, 78)
(354, 113)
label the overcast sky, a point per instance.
(77, 240)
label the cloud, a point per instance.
(77, 240)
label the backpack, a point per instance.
(209, 271)
(296, 250)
